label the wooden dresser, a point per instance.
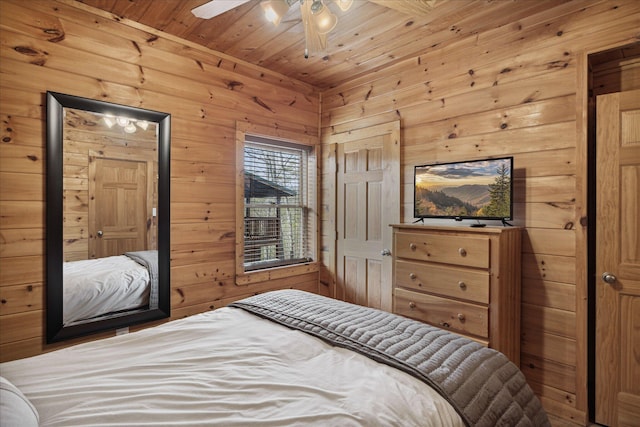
(463, 279)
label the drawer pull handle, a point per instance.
(412, 305)
(445, 324)
(462, 252)
(462, 285)
(412, 276)
(461, 317)
(412, 246)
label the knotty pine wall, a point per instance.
(511, 90)
(74, 49)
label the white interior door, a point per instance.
(618, 259)
(368, 201)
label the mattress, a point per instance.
(96, 287)
(227, 367)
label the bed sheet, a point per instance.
(228, 368)
(99, 286)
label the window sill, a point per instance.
(276, 273)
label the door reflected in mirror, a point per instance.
(107, 216)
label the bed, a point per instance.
(282, 358)
(104, 287)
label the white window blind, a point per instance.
(275, 204)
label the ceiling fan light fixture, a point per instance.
(317, 18)
(344, 5)
(322, 18)
(274, 10)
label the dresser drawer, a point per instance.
(445, 313)
(472, 285)
(458, 250)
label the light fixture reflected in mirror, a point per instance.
(122, 121)
(130, 128)
(128, 125)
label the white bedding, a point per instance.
(228, 368)
(99, 286)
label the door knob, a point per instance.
(385, 252)
(608, 278)
(100, 233)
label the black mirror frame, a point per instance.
(54, 222)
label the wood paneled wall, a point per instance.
(509, 90)
(71, 48)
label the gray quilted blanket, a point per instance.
(148, 259)
(484, 387)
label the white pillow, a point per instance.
(15, 408)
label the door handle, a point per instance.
(100, 233)
(608, 278)
(385, 252)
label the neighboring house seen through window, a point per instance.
(276, 207)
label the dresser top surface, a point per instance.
(458, 228)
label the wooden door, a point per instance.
(368, 201)
(618, 259)
(117, 206)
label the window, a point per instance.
(278, 194)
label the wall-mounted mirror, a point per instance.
(108, 228)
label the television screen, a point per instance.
(477, 189)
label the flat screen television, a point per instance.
(475, 189)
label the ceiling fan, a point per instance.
(317, 18)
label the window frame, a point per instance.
(301, 153)
(246, 131)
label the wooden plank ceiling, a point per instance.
(373, 34)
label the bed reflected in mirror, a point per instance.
(107, 216)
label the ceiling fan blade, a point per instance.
(216, 7)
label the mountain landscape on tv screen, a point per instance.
(465, 200)
(474, 194)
